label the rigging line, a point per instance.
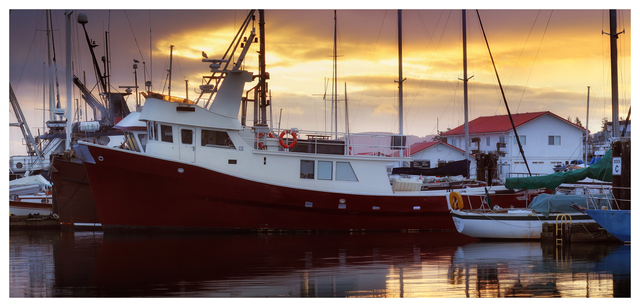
(33, 41)
(437, 46)
(366, 79)
(134, 35)
(622, 49)
(522, 51)
(503, 95)
(534, 60)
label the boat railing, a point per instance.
(322, 142)
(595, 201)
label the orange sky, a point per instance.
(545, 59)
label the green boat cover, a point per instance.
(600, 170)
(545, 203)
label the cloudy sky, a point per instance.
(545, 59)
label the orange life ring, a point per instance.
(295, 139)
(260, 136)
(455, 199)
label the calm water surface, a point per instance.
(411, 265)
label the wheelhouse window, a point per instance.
(212, 138)
(306, 169)
(166, 133)
(143, 141)
(325, 170)
(554, 140)
(152, 129)
(344, 172)
(186, 135)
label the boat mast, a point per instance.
(614, 73)
(334, 88)
(400, 81)
(263, 71)
(170, 65)
(586, 139)
(400, 107)
(466, 94)
(69, 81)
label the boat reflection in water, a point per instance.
(417, 265)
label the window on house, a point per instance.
(166, 133)
(554, 140)
(306, 169)
(212, 138)
(344, 172)
(523, 139)
(454, 143)
(325, 170)
(503, 139)
(488, 141)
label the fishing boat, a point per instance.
(204, 170)
(117, 127)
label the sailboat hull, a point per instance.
(515, 224)
(133, 191)
(616, 222)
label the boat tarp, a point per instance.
(545, 203)
(455, 168)
(600, 170)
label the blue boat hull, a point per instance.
(616, 222)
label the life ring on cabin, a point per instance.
(260, 136)
(293, 135)
(455, 199)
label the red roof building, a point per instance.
(501, 123)
(547, 139)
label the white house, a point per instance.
(546, 139)
(428, 154)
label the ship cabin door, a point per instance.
(187, 144)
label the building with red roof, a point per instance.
(547, 140)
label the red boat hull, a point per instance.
(133, 191)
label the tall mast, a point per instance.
(400, 79)
(52, 105)
(263, 71)
(586, 139)
(170, 67)
(466, 94)
(69, 81)
(614, 73)
(334, 88)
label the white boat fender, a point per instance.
(455, 199)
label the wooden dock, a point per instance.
(575, 233)
(25, 222)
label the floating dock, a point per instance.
(26, 222)
(565, 233)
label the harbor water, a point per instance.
(354, 265)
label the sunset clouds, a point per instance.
(545, 58)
